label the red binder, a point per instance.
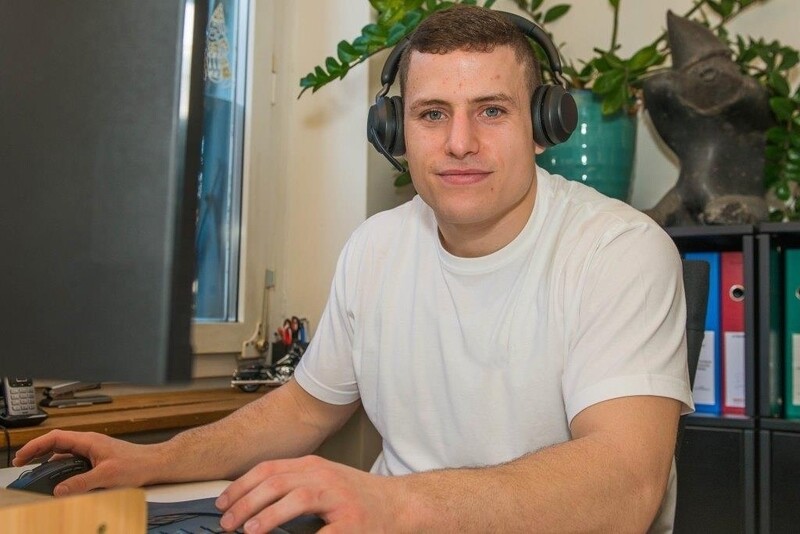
(732, 295)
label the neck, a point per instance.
(485, 237)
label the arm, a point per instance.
(610, 477)
(285, 422)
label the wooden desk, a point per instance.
(146, 412)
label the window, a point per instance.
(220, 182)
(232, 225)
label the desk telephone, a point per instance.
(20, 407)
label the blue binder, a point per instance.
(707, 391)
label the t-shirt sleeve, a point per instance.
(326, 369)
(628, 334)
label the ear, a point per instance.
(538, 149)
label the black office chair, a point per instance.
(695, 283)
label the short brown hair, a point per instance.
(470, 28)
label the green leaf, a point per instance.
(402, 179)
(773, 153)
(609, 82)
(333, 66)
(782, 107)
(614, 3)
(643, 58)
(790, 58)
(777, 135)
(783, 192)
(397, 32)
(613, 102)
(361, 45)
(715, 6)
(372, 31)
(556, 12)
(727, 7)
(412, 19)
(346, 52)
(779, 84)
(613, 60)
(488, 4)
(309, 80)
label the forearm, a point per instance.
(580, 485)
(281, 424)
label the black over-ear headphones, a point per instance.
(553, 109)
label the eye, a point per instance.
(433, 115)
(708, 75)
(493, 112)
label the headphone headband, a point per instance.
(528, 27)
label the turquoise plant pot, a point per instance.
(600, 151)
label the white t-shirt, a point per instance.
(477, 361)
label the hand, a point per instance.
(115, 463)
(277, 491)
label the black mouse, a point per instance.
(45, 477)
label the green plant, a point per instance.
(770, 63)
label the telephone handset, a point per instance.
(20, 403)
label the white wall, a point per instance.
(316, 168)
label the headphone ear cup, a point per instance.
(378, 132)
(385, 125)
(554, 114)
(539, 135)
(398, 146)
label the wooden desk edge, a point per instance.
(132, 414)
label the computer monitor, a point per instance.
(100, 133)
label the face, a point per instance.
(469, 142)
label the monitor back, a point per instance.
(100, 131)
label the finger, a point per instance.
(245, 483)
(303, 486)
(296, 503)
(40, 446)
(92, 479)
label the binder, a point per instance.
(707, 389)
(791, 299)
(732, 295)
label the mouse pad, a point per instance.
(200, 516)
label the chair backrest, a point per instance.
(695, 284)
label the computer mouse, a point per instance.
(45, 477)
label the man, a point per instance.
(517, 340)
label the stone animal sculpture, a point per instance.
(714, 118)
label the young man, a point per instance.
(517, 340)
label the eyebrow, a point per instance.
(495, 97)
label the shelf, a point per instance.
(788, 425)
(784, 234)
(707, 237)
(720, 421)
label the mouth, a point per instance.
(463, 176)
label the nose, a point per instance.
(462, 137)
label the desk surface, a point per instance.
(145, 412)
